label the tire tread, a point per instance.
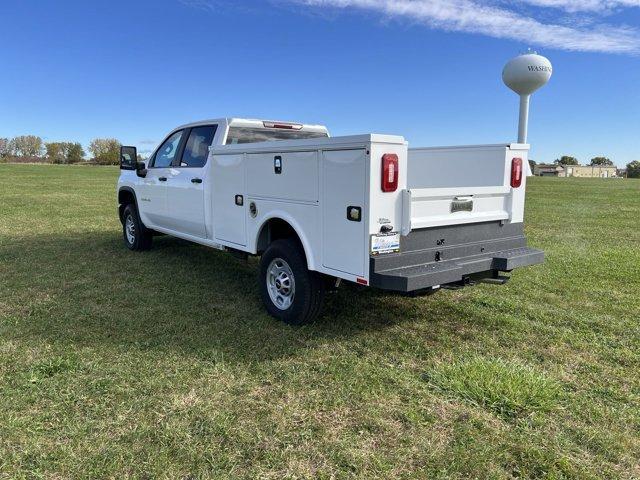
(144, 237)
(309, 285)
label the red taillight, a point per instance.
(390, 172)
(516, 172)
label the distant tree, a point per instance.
(566, 160)
(27, 146)
(633, 169)
(75, 152)
(532, 164)
(106, 151)
(5, 147)
(601, 161)
(56, 152)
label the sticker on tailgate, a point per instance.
(385, 243)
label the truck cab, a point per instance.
(171, 192)
(318, 210)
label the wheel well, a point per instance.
(125, 197)
(275, 229)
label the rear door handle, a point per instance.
(163, 179)
(196, 180)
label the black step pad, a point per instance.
(414, 277)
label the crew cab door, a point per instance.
(229, 198)
(187, 180)
(152, 201)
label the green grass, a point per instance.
(505, 388)
(163, 364)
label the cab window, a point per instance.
(167, 151)
(196, 149)
(254, 135)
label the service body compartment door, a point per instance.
(287, 175)
(343, 240)
(228, 182)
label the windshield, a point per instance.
(255, 135)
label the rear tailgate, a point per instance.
(459, 185)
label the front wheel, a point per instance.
(134, 233)
(290, 292)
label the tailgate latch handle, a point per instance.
(462, 204)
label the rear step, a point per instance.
(455, 273)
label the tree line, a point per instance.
(633, 168)
(104, 151)
(595, 161)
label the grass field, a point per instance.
(163, 364)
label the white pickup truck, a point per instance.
(318, 210)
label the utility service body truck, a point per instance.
(318, 210)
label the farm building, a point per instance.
(590, 171)
(548, 170)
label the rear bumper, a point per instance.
(456, 254)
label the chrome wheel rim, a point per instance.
(281, 284)
(130, 229)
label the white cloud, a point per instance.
(585, 5)
(482, 17)
(203, 4)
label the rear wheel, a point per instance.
(135, 234)
(290, 292)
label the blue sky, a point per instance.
(426, 69)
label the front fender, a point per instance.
(121, 205)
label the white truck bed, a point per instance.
(321, 178)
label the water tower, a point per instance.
(524, 75)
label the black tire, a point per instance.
(139, 237)
(308, 286)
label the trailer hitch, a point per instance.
(495, 280)
(466, 281)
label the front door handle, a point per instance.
(196, 180)
(163, 179)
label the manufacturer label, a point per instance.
(385, 243)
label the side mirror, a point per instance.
(141, 169)
(128, 158)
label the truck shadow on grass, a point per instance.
(87, 289)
